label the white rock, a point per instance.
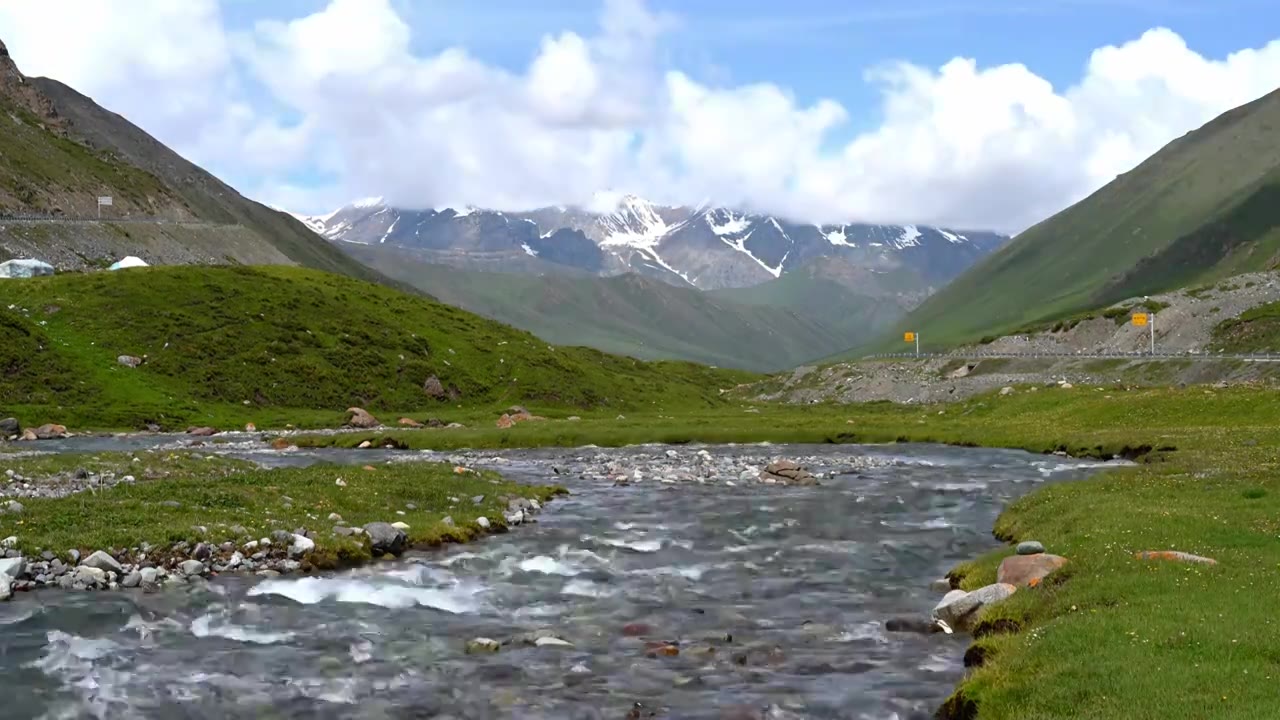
(301, 545)
(149, 575)
(91, 576)
(483, 522)
(340, 482)
(103, 562)
(13, 567)
(400, 525)
(335, 517)
(552, 642)
(960, 611)
(191, 567)
(9, 542)
(6, 587)
(942, 585)
(251, 545)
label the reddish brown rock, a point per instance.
(661, 650)
(637, 629)
(280, 444)
(506, 422)
(1176, 556)
(1028, 570)
(409, 422)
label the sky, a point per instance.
(972, 114)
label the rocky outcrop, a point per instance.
(359, 418)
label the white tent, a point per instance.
(24, 269)
(129, 262)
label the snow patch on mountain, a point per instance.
(528, 250)
(952, 237)
(390, 228)
(732, 225)
(910, 237)
(367, 202)
(837, 237)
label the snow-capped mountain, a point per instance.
(706, 247)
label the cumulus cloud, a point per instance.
(961, 145)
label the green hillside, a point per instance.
(1206, 206)
(853, 304)
(771, 327)
(233, 341)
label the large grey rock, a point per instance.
(13, 507)
(88, 576)
(6, 587)
(301, 545)
(103, 562)
(149, 577)
(191, 567)
(13, 567)
(960, 609)
(132, 580)
(10, 426)
(385, 538)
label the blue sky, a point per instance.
(820, 48)
(984, 113)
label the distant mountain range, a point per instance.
(703, 247)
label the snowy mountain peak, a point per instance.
(368, 202)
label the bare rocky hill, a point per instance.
(1184, 323)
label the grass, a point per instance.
(1201, 209)
(326, 342)
(235, 501)
(1255, 330)
(1111, 637)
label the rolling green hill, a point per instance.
(773, 326)
(234, 341)
(1204, 207)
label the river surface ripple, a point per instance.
(775, 596)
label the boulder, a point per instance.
(201, 431)
(1028, 570)
(787, 472)
(89, 576)
(9, 427)
(1030, 547)
(359, 418)
(960, 609)
(129, 361)
(962, 371)
(506, 422)
(434, 388)
(409, 422)
(132, 580)
(28, 435)
(50, 431)
(13, 568)
(301, 545)
(1006, 390)
(103, 562)
(483, 645)
(385, 538)
(6, 587)
(191, 567)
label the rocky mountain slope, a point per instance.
(1205, 207)
(59, 151)
(774, 326)
(705, 247)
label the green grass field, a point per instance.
(230, 345)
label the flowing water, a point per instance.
(775, 597)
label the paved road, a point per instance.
(41, 219)
(1246, 357)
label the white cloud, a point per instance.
(342, 91)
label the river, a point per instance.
(773, 597)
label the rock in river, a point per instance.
(360, 418)
(385, 538)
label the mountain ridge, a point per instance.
(703, 246)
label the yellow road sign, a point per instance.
(1140, 319)
(909, 337)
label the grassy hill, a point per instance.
(225, 344)
(59, 151)
(1204, 207)
(773, 326)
